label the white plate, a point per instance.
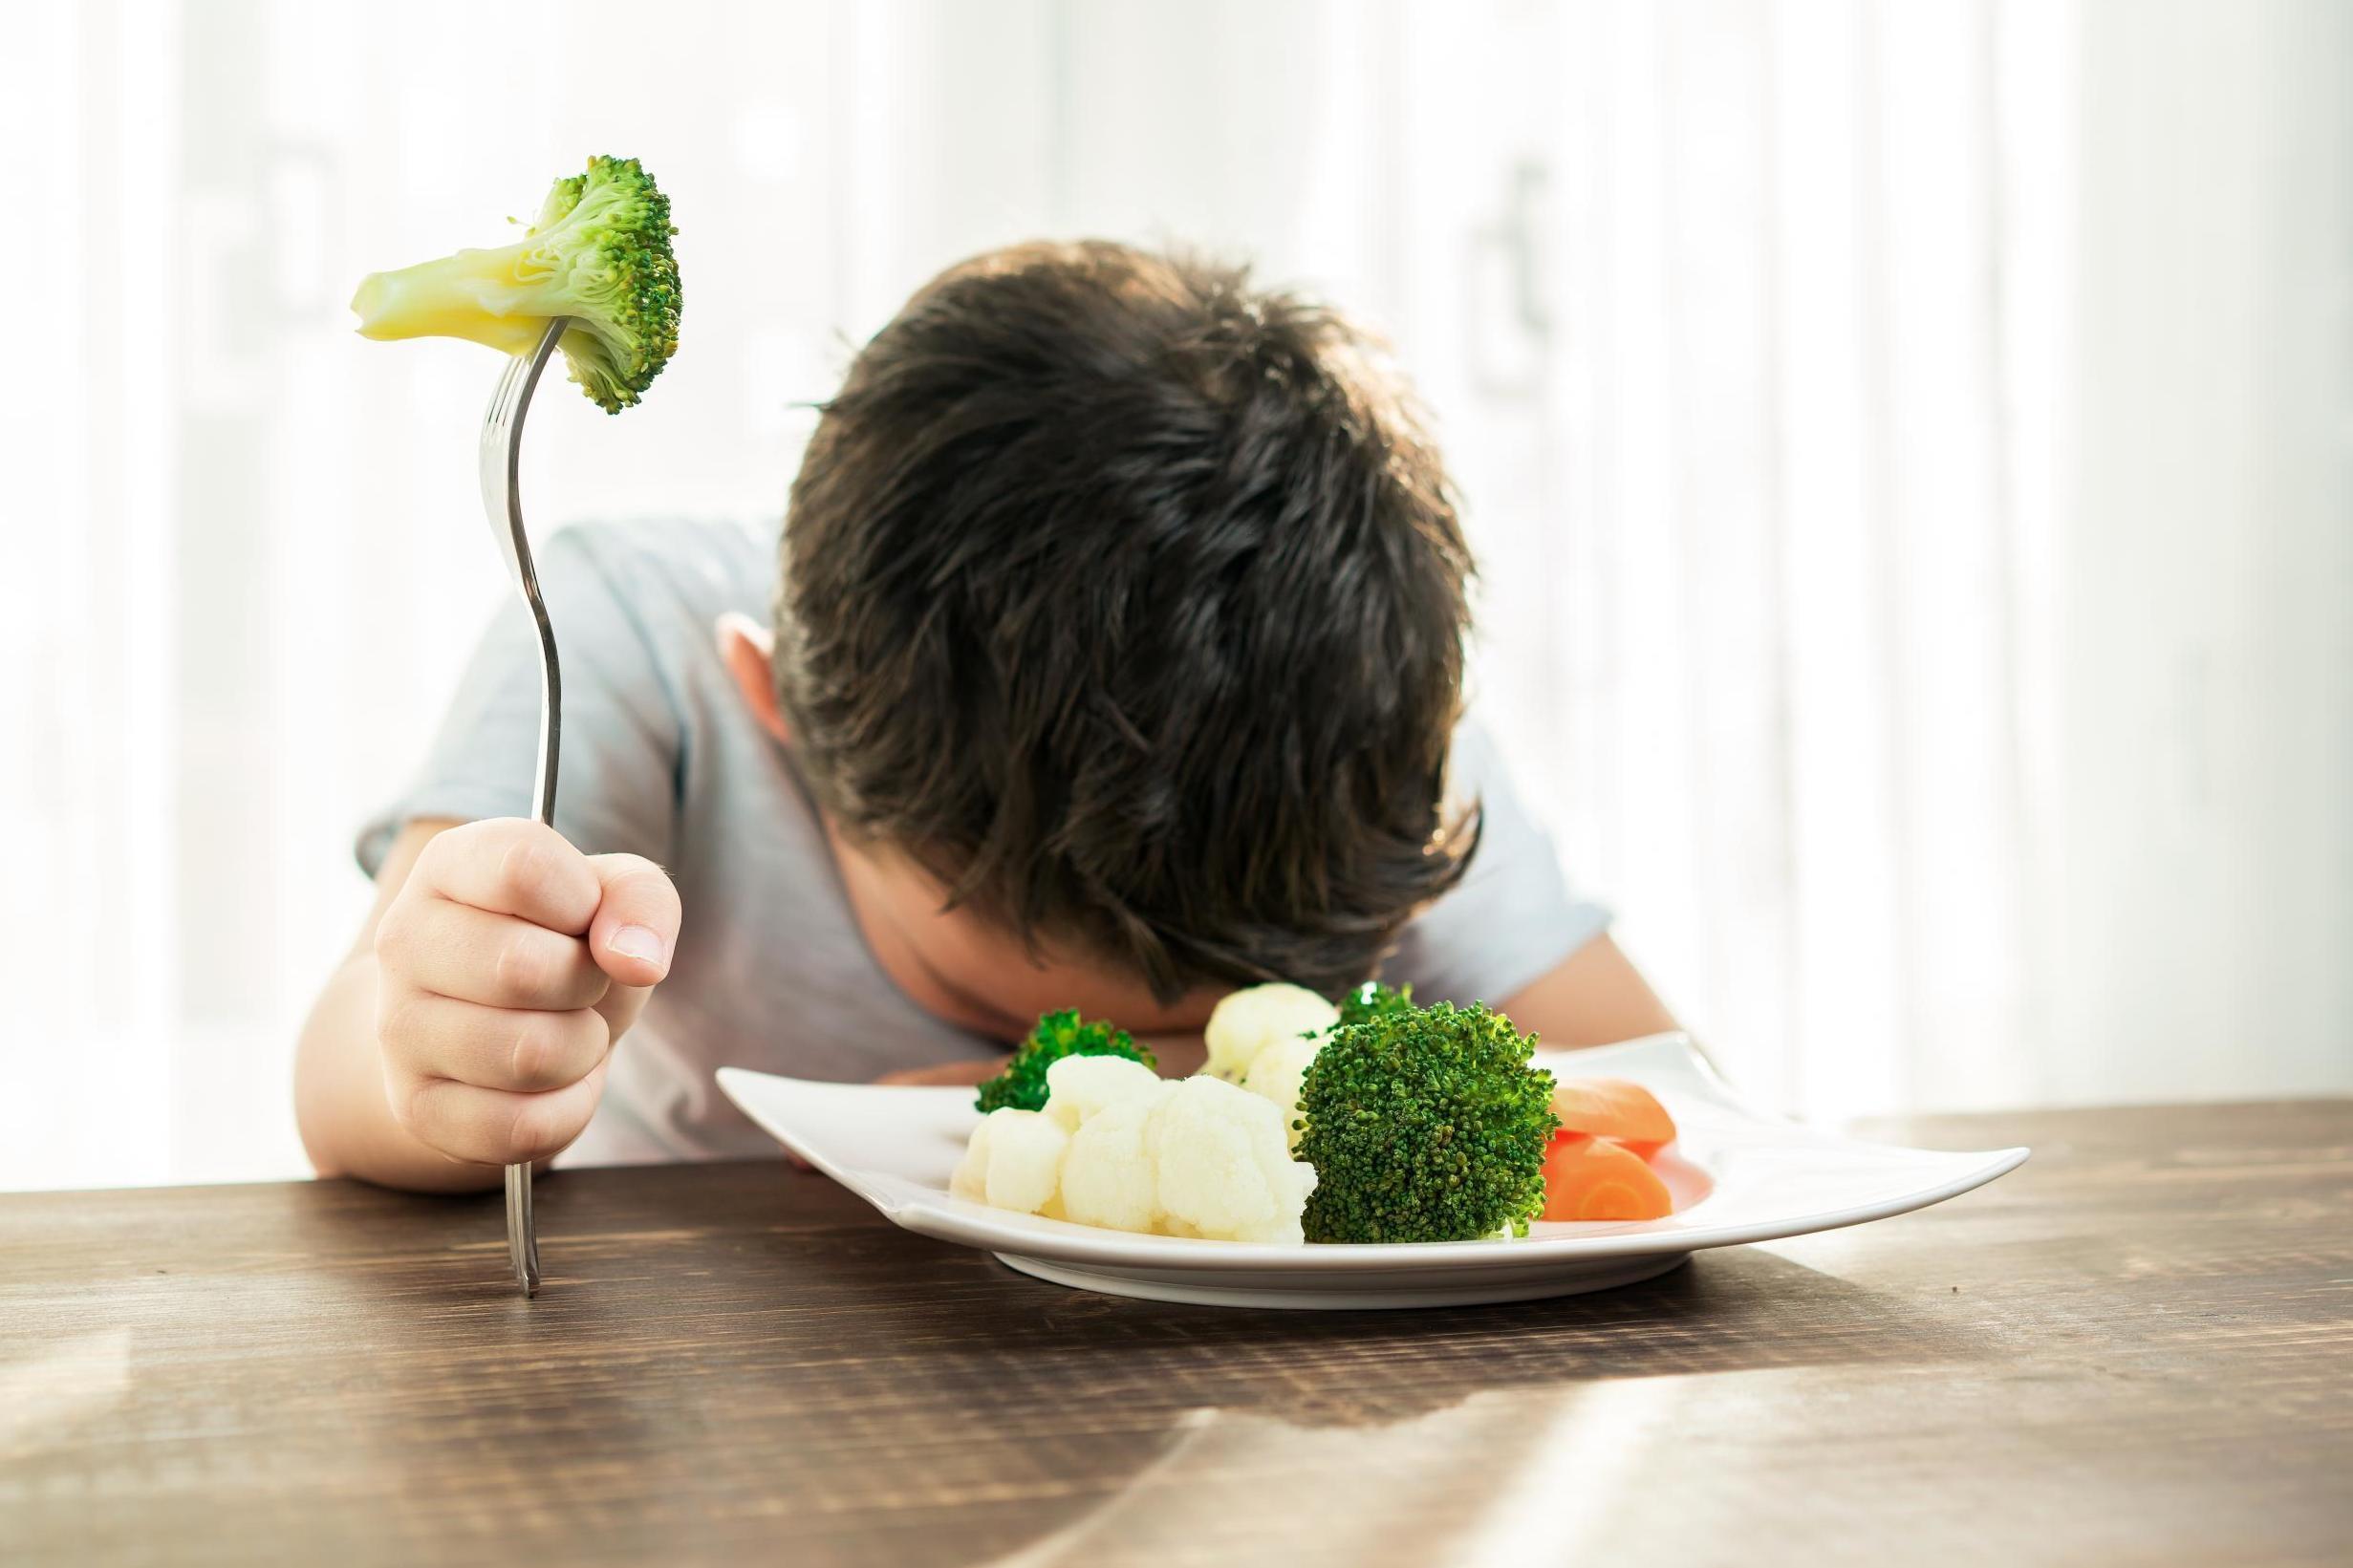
(1738, 1175)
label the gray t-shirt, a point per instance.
(662, 757)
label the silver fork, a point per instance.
(501, 500)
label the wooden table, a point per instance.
(2137, 1349)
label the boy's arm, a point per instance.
(470, 1024)
(1594, 996)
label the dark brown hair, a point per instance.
(1128, 601)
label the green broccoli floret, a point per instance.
(1425, 1123)
(1022, 1085)
(1373, 999)
(599, 255)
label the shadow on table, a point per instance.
(1727, 1311)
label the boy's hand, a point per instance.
(510, 963)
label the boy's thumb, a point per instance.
(636, 924)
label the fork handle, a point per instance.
(522, 1233)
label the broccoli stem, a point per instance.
(468, 295)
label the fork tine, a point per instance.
(501, 434)
(502, 396)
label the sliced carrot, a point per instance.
(1611, 1107)
(1598, 1178)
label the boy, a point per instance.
(1116, 662)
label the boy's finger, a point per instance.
(521, 1050)
(511, 865)
(492, 1127)
(636, 922)
(455, 949)
(621, 1006)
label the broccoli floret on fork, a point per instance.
(598, 256)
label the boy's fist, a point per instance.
(510, 963)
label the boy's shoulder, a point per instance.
(636, 603)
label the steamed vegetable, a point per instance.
(1246, 1022)
(1612, 1107)
(597, 255)
(1425, 1125)
(1013, 1161)
(1600, 1178)
(1373, 999)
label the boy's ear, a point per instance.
(748, 650)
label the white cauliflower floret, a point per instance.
(1078, 1086)
(1276, 1076)
(1108, 1177)
(1224, 1169)
(1246, 1022)
(1013, 1161)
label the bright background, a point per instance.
(1910, 448)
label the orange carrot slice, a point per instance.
(1611, 1107)
(1598, 1178)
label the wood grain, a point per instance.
(2138, 1348)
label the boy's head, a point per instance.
(1127, 604)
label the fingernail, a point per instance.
(635, 942)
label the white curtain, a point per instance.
(1906, 445)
